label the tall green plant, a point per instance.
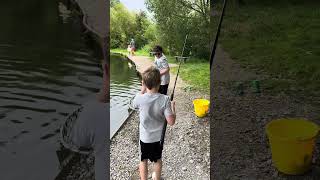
(176, 18)
(125, 25)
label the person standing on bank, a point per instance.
(133, 47)
(161, 63)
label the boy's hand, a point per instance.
(173, 107)
(171, 120)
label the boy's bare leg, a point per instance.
(157, 169)
(143, 168)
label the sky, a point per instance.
(134, 5)
(137, 5)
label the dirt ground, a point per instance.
(239, 145)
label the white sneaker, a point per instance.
(154, 176)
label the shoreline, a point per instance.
(131, 112)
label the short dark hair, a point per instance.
(151, 77)
(158, 49)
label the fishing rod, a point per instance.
(172, 95)
(217, 35)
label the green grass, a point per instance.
(140, 52)
(196, 73)
(280, 38)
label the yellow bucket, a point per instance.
(292, 143)
(201, 107)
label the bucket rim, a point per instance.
(200, 99)
(269, 134)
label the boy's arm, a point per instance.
(170, 113)
(166, 68)
(164, 71)
(135, 103)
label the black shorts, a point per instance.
(163, 89)
(151, 151)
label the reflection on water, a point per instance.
(46, 72)
(124, 85)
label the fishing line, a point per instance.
(172, 95)
(217, 35)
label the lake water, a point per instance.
(124, 86)
(46, 72)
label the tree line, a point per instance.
(172, 21)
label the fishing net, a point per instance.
(131, 104)
(66, 133)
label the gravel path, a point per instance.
(81, 167)
(239, 146)
(186, 149)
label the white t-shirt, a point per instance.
(153, 110)
(162, 63)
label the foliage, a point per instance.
(176, 18)
(125, 25)
(152, 35)
(280, 38)
(114, 2)
(121, 23)
(141, 24)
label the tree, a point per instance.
(114, 2)
(121, 26)
(141, 26)
(151, 34)
(176, 18)
(125, 25)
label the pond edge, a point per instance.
(131, 112)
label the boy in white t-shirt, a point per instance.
(162, 65)
(154, 109)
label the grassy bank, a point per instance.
(195, 72)
(124, 51)
(280, 38)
